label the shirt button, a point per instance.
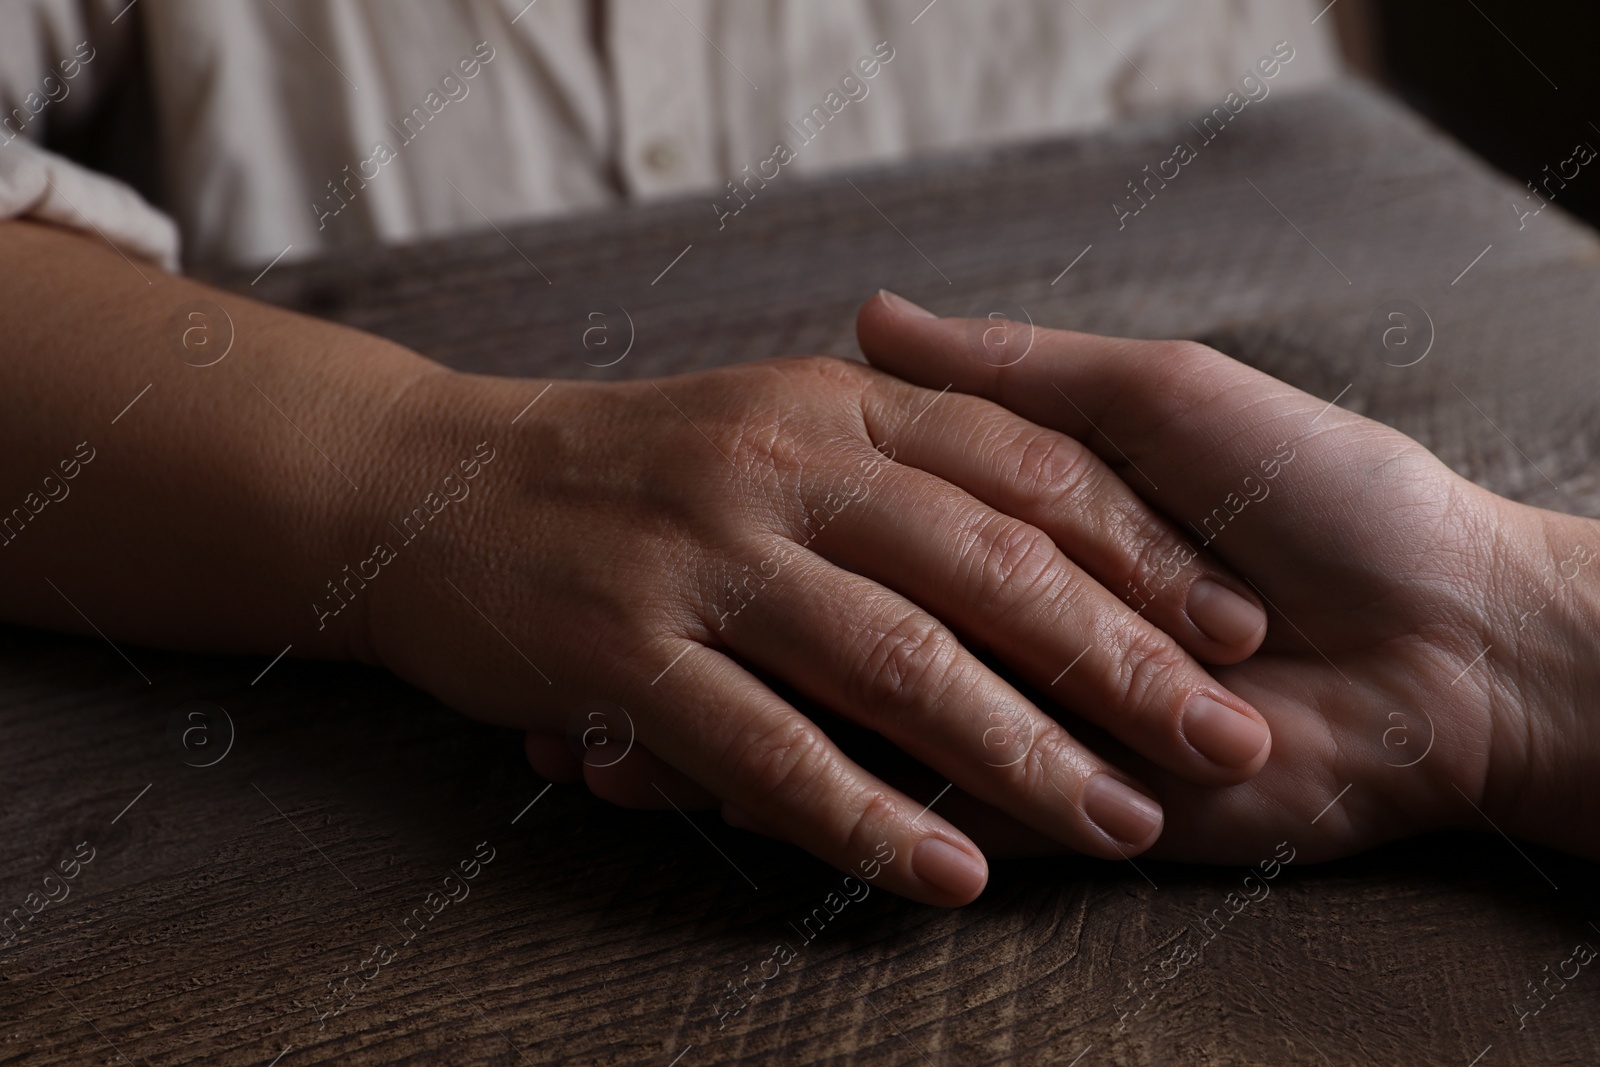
(661, 156)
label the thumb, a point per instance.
(1078, 383)
(1182, 424)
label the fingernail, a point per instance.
(1223, 615)
(1125, 814)
(949, 869)
(1220, 733)
(897, 303)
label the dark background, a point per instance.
(1458, 63)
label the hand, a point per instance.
(522, 552)
(1428, 659)
(657, 544)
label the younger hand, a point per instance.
(1427, 660)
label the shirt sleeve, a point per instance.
(56, 58)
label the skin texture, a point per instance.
(1388, 575)
(522, 548)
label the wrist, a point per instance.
(447, 439)
(380, 443)
(1546, 789)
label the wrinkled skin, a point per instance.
(665, 546)
(1425, 665)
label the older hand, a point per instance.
(666, 546)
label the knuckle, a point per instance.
(1012, 562)
(781, 760)
(830, 370)
(1049, 752)
(761, 411)
(756, 446)
(908, 664)
(874, 823)
(1152, 547)
(1148, 665)
(794, 431)
(1052, 470)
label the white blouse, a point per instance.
(289, 127)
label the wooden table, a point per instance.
(221, 905)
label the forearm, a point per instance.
(216, 501)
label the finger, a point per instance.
(644, 781)
(992, 830)
(1057, 484)
(550, 758)
(1199, 434)
(723, 727)
(737, 817)
(877, 659)
(629, 782)
(1004, 582)
(997, 833)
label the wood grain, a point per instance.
(218, 908)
